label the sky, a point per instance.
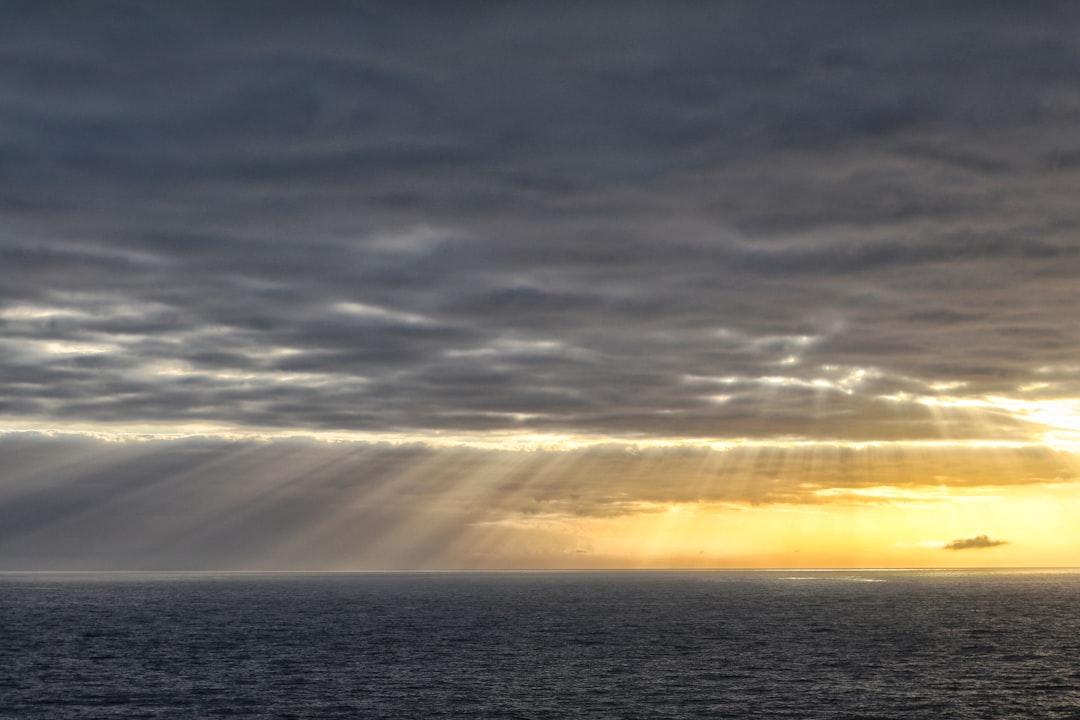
(426, 286)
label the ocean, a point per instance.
(709, 644)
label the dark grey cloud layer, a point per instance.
(702, 219)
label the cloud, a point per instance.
(974, 543)
(550, 220)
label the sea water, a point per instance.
(781, 644)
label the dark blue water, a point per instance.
(545, 645)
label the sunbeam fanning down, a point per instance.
(297, 504)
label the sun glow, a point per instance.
(1056, 420)
(868, 534)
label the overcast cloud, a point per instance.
(625, 219)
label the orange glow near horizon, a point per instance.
(531, 501)
(1035, 526)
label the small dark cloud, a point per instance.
(974, 543)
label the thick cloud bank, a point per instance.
(849, 221)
